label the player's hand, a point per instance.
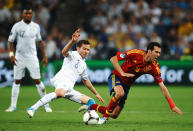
(13, 60)
(76, 35)
(45, 61)
(100, 98)
(127, 75)
(176, 110)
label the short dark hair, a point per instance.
(79, 44)
(152, 44)
(27, 8)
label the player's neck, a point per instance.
(147, 58)
(27, 22)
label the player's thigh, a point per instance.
(60, 92)
(19, 70)
(119, 91)
(77, 96)
(34, 69)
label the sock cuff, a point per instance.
(16, 85)
(114, 99)
(90, 102)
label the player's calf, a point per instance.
(86, 106)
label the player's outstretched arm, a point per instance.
(167, 95)
(68, 46)
(89, 85)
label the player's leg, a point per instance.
(119, 93)
(79, 98)
(115, 85)
(19, 72)
(42, 92)
(14, 96)
(60, 92)
(116, 111)
(34, 69)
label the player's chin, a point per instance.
(85, 55)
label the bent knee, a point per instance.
(120, 95)
(114, 116)
(60, 92)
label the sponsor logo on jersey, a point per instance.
(122, 55)
(117, 82)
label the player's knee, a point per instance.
(17, 81)
(60, 93)
(114, 115)
(37, 81)
(43, 89)
(119, 95)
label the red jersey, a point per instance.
(135, 64)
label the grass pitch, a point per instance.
(145, 110)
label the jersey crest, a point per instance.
(122, 55)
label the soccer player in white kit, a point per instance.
(27, 33)
(73, 66)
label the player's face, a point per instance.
(84, 50)
(154, 54)
(27, 15)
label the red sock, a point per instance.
(112, 103)
(98, 108)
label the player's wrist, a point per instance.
(171, 103)
(11, 54)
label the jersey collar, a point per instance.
(80, 56)
(26, 23)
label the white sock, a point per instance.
(46, 99)
(42, 91)
(14, 94)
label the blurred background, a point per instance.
(110, 26)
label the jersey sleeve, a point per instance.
(122, 56)
(70, 55)
(157, 73)
(38, 36)
(84, 74)
(13, 34)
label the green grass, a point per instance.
(146, 110)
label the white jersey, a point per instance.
(73, 67)
(26, 36)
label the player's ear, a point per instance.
(149, 51)
(77, 48)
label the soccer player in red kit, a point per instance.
(137, 62)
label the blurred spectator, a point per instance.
(50, 48)
(110, 25)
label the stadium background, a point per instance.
(110, 26)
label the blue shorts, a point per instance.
(113, 81)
